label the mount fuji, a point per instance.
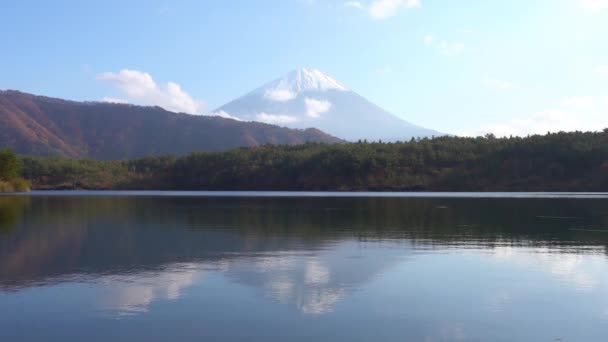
(310, 98)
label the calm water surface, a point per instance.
(270, 267)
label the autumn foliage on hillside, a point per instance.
(42, 126)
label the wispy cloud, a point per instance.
(114, 100)
(579, 102)
(314, 108)
(382, 9)
(496, 83)
(355, 4)
(275, 119)
(140, 87)
(581, 112)
(280, 95)
(443, 46)
(224, 114)
(595, 5)
(551, 120)
(450, 48)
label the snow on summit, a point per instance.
(308, 97)
(302, 80)
(309, 80)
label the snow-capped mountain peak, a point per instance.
(310, 98)
(306, 79)
(298, 81)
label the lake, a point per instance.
(168, 266)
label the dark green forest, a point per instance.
(576, 161)
(10, 172)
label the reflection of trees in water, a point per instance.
(108, 235)
(11, 211)
(430, 221)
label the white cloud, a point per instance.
(382, 9)
(225, 115)
(603, 70)
(496, 83)
(280, 95)
(575, 113)
(314, 108)
(579, 102)
(275, 119)
(355, 4)
(595, 5)
(450, 48)
(114, 100)
(140, 87)
(443, 46)
(552, 120)
(428, 40)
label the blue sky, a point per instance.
(464, 67)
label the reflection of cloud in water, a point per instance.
(320, 301)
(574, 270)
(583, 273)
(284, 262)
(282, 289)
(131, 294)
(316, 273)
(312, 293)
(131, 299)
(314, 282)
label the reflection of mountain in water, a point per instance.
(300, 251)
(314, 282)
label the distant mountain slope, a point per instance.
(45, 126)
(310, 98)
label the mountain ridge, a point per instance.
(45, 126)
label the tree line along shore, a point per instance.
(576, 161)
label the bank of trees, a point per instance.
(575, 161)
(10, 173)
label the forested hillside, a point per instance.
(555, 162)
(42, 126)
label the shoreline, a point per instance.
(311, 194)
